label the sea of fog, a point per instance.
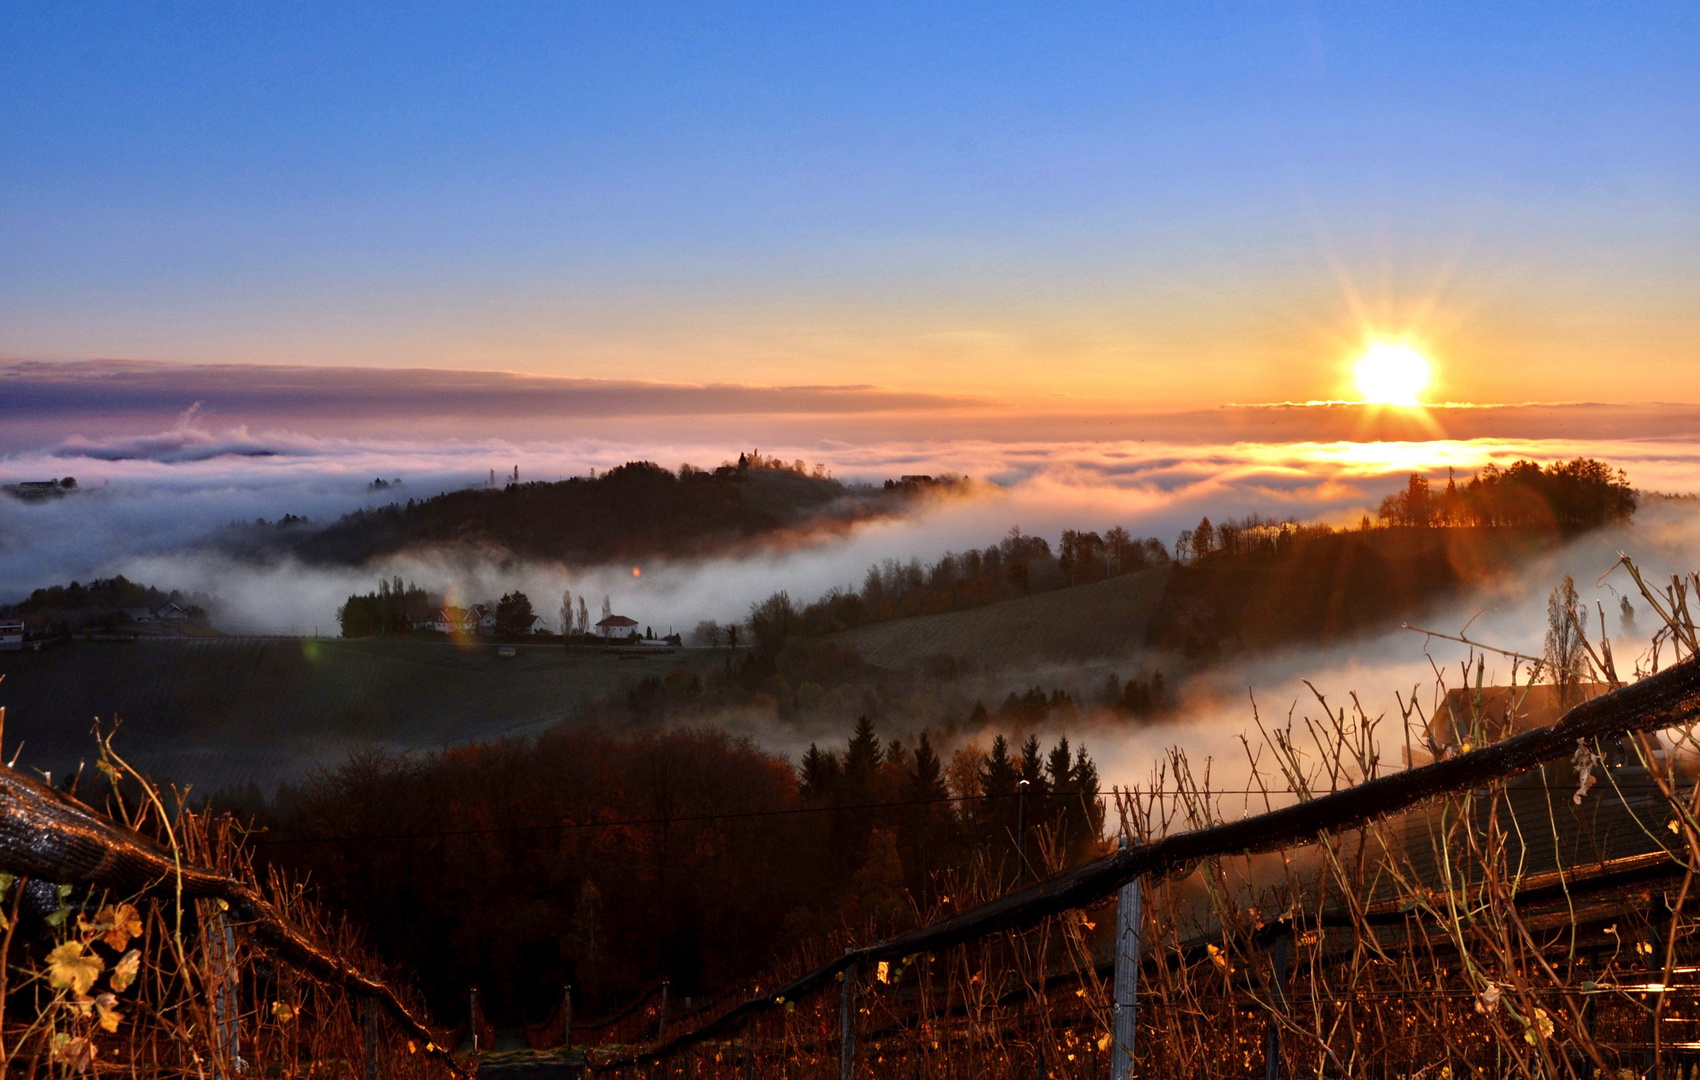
(144, 505)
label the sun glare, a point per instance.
(1392, 375)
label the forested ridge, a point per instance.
(635, 510)
(606, 861)
(1257, 580)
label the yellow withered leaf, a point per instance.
(69, 968)
(124, 971)
(107, 1006)
(123, 923)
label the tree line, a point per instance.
(1580, 494)
(636, 510)
(605, 860)
(1018, 565)
(103, 602)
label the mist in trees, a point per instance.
(1582, 494)
(394, 608)
(772, 622)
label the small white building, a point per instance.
(616, 626)
(450, 620)
(11, 635)
(481, 618)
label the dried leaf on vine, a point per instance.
(1539, 1028)
(124, 971)
(283, 1012)
(1488, 1000)
(107, 1006)
(69, 968)
(123, 922)
(77, 1053)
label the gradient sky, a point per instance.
(1130, 206)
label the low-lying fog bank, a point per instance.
(143, 506)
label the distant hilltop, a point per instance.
(42, 489)
(636, 510)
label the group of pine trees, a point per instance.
(395, 608)
(683, 851)
(931, 815)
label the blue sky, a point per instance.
(1181, 205)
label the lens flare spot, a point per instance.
(1392, 375)
(636, 572)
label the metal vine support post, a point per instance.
(661, 1027)
(1667, 699)
(847, 1025)
(1021, 832)
(1272, 1041)
(221, 955)
(1126, 988)
(369, 1018)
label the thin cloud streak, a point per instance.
(43, 403)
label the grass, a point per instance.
(1106, 618)
(229, 710)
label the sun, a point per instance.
(1392, 375)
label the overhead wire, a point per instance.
(737, 815)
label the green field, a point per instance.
(227, 710)
(1106, 618)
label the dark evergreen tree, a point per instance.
(514, 615)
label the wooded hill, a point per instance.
(1330, 586)
(636, 510)
(1246, 583)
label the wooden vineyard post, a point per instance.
(369, 1018)
(661, 1028)
(1272, 1042)
(847, 1025)
(1126, 989)
(566, 1018)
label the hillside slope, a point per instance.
(1105, 618)
(636, 510)
(228, 710)
(1334, 586)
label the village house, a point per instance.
(616, 626)
(171, 611)
(450, 620)
(11, 635)
(481, 619)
